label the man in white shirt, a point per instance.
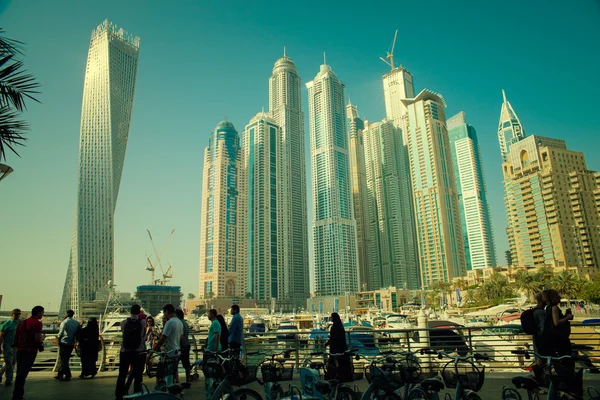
(171, 335)
(66, 342)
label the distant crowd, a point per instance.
(21, 340)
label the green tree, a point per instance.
(16, 87)
(591, 292)
(210, 295)
(248, 295)
(494, 290)
(191, 296)
(530, 283)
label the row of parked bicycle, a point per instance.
(393, 375)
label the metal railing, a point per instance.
(495, 341)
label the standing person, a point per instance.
(152, 333)
(557, 326)
(171, 336)
(66, 342)
(7, 339)
(341, 366)
(236, 328)
(539, 317)
(185, 345)
(29, 339)
(224, 336)
(213, 342)
(557, 330)
(89, 344)
(134, 331)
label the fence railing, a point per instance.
(495, 341)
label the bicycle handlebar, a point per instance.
(528, 353)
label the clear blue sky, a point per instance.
(203, 60)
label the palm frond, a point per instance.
(9, 46)
(15, 84)
(12, 131)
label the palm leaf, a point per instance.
(12, 131)
(16, 84)
(9, 46)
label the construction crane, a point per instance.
(150, 267)
(390, 53)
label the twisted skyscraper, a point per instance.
(108, 92)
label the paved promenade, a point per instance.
(40, 385)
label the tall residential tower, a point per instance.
(472, 199)
(262, 147)
(359, 192)
(223, 271)
(334, 227)
(552, 202)
(108, 93)
(392, 252)
(439, 235)
(510, 130)
(285, 107)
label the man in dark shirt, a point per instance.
(28, 339)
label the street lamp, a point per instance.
(5, 170)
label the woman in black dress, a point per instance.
(89, 345)
(224, 336)
(339, 367)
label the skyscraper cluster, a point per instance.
(399, 202)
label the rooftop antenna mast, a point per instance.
(390, 54)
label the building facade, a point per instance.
(334, 227)
(472, 200)
(262, 146)
(285, 107)
(392, 250)
(551, 203)
(510, 129)
(397, 86)
(223, 271)
(439, 234)
(359, 192)
(107, 106)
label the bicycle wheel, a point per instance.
(510, 393)
(345, 393)
(244, 394)
(417, 393)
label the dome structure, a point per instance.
(284, 63)
(224, 125)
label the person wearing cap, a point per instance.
(7, 339)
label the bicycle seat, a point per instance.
(525, 382)
(432, 385)
(324, 387)
(317, 365)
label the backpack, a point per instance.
(132, 334)
(528, 322)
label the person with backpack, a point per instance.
(29, 340)
(134, 335)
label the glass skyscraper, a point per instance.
(223, 227)
(108, 93)
(359, 192)
(472, 200)
(334, 227)
(510, 130)
(439, 234)
(285, 107)
(263, 147)
(392, 252)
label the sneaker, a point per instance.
(58, 377)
